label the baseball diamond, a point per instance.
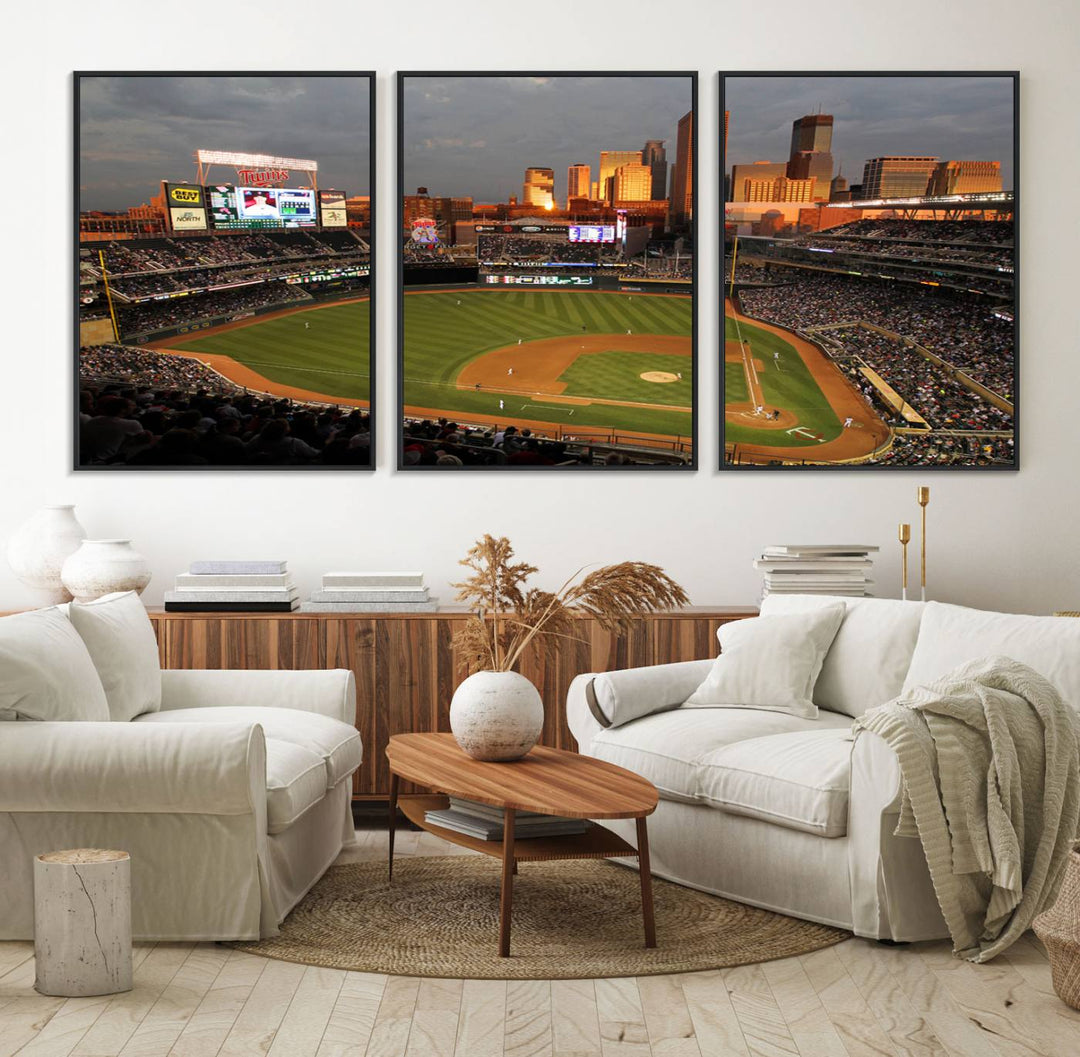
(782, 394)
(536, 358)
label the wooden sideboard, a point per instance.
(406, 667)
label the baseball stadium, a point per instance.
(230, 321)
(886, 339)
(576, 338)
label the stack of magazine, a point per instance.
(348, 592)
(234, 587)
(486, 822)
(817, 569)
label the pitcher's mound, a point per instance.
(658, 376)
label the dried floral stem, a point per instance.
(611, 595)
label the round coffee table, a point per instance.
(548, 781)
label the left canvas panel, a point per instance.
(223, 273)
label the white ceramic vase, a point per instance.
(100, 567)
(496, 715)
(37, 551)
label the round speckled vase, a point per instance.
(496, 715)
(102, 567)
(37, 551)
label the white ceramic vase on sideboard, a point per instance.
(496, 715)
(100, 567)
(37, 551)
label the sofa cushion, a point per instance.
(336, 743)
(668, 748)
(121, 641)
(770, 662)
(295, 780)
(870, 656)
(621, 696)
(799, 780)
(953, 635)
(45, 670)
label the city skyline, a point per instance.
(470, 137)
(953, 118)
(136, 131)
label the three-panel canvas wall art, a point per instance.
(547, 237)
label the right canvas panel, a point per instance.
(870, 270)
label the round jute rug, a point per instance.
(575, 918)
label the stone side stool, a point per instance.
(82, 922)
(1059, 929)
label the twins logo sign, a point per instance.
(262, 177)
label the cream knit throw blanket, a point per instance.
(990, 761)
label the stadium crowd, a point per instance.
(142, 408)
(442, 442)
(979, 232)
(158, 315)
(523, 250)
(945, 449)
(933, 391)
(167, 254)
(962, 332)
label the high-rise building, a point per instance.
(610, 160)
(759, 170)
(812, 164)
(594, 190)
(578, 178)
(778, 189)
(811, 151)
(654, 156)
(897, 176)
(682, 174)
(539, 187)
(812, 133)
(965, 177)
(838, 189)
(632, 183)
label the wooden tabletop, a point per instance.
(549, 781)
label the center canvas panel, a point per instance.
(546, 233)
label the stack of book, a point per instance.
(486, 822)
(817, 569)
(234, 587)
(371, 593)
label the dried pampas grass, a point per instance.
(508, 615)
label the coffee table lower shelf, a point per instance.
(596, 842)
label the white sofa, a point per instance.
(232, 793)
(793, 814)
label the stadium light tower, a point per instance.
(255, 170)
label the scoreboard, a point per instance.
(241, 208)
(591, 233)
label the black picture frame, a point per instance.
(78, 78)
(691, 464)
(725, 455)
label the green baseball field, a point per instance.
(321, 350)
(576, 359)
(784, 382)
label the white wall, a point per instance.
(996, 540)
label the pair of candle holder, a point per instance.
(904, 535)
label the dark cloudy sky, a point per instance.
(138, 131)
(477, 135)
(967, 118)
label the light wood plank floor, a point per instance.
(857, 999)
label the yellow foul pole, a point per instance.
(108, 296)
(734, 261)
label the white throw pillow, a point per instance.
(45, 670)
(124, 649)
(770, 663)
(869, 657)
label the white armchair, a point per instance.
(232, 799)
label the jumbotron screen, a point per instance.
(591, 232)
(233, 208)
